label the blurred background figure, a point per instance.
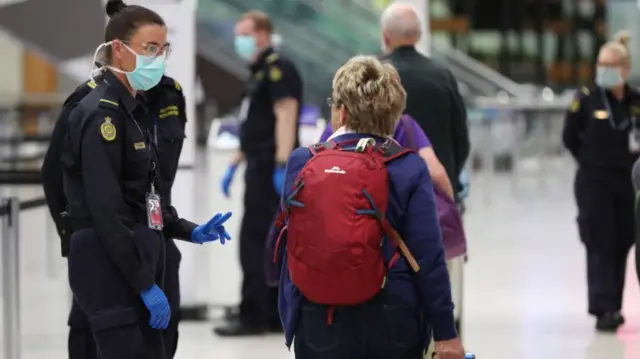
(517, 66)
(603, 135)
(443, 117)
(268, 133)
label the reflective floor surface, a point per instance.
(524, 287)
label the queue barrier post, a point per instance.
(11, 278)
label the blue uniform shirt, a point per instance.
(412, 212)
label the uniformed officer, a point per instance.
(269, 133)
(166, 110)
(602, 133)
(113, 186)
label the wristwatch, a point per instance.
(281, 165)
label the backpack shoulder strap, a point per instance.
(321, 146)
(392, 150)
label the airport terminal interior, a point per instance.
(524, 284)
(522, 291)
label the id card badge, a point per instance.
(634, 141)
(154, 210)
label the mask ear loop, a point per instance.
(95, 63)
(105, 65)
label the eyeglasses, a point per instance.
(152, 49)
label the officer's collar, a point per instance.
(262, 58)
(119, 90)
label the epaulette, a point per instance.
(272, 58)
(585, 90)
(170, 82)
(92, 84)
(108, 103)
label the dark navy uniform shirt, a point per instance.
(166, 119)
(273, 78)
(109, 164)
(597, 128)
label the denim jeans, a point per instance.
(383, 328)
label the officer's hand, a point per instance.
(464, 182)
(158, 306)
(278, 180)
(449, 349)
(212, 230)
(227, 179)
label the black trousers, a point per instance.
(116, 317)
(382, 328)
(607, 230)
(81, 344)
(259, 304)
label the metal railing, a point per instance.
(482, 71)
(10, 209)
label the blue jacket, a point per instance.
(412, 213)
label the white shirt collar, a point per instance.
(339, 132)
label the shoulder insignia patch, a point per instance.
(92, 84)
(108, 129)
(272, 58)
(585, 90)
(177, 85)
(169, 111)
(275, 74)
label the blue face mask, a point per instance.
(148, 72)
(608, 77)
(245, 46)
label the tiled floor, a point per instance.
(524, 289)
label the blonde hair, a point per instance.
(620, 46)
(372, 94)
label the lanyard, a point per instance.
(622, 125)
(153, 174)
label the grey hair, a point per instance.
(401, 20)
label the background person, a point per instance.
(268, 134)
(603, 134)
(433, 99)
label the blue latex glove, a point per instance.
(227, 179)
(212, 230)
(158, 306)
(464, 182)
(278, 179)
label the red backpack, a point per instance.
(336, 222)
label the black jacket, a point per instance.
(434, 101)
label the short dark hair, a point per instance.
(261, 20)
(124, 20)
